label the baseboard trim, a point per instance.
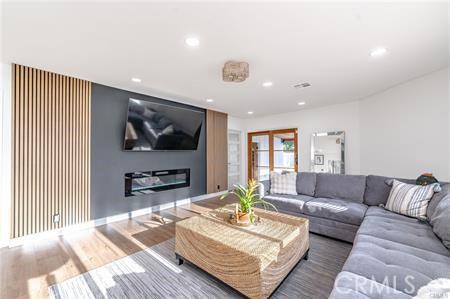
(102, 221)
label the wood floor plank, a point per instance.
(28, 270)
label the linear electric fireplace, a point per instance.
(147, 182)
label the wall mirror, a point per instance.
(328, 152)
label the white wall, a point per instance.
(343, 117)
(5, 151)
(403, 131)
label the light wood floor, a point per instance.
(28, 270)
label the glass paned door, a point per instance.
(271, 151)
(259, 157)
(284, 151)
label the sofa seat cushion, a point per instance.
(349, 285)
(394, 264)
(404, 231)
(349, 187)
(331, 228)
(336, 209)
(288, 203)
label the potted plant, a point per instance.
(248, 198)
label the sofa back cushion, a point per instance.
(306, 183)
(440, 220)
(436, 199)
(349, 187)
(377, 190)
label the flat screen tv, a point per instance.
(159, 127)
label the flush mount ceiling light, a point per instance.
(301, 103)
(378, 52)
(136, 80)
(192, 42)
(250, 112)
(267, 84)
(235, 71)
(209, 100)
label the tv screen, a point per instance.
(151, 126)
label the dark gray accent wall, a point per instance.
(109, 162)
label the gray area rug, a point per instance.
(154, 273)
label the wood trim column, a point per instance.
(216, 151)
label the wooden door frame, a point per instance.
(270, 133)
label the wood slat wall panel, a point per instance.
(51, 151)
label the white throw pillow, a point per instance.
(283, 183)
(410, 200)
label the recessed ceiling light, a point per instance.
(137, 80)
(267, 84)
(250, 112)
(301, 103)
(192, 41)
(209, 100)
(378, 52)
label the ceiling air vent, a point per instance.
(302, 85)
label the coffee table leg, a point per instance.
(180, 259)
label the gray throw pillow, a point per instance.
(440, 220)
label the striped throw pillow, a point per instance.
(410, 200)
(283, 183)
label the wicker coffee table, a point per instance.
(254, 260)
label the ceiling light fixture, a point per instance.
(209, 100)
(192, 42)
(378, 52)
(301, 103)
(235, 71)
(267, 84)
(250, 112)
(136, 80)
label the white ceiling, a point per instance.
(327, 45)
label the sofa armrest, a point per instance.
(263, 188)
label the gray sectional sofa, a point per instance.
(392, 255)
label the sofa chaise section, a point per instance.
(393, 256)
(289, 204)
(400, 254)
(401, 229)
